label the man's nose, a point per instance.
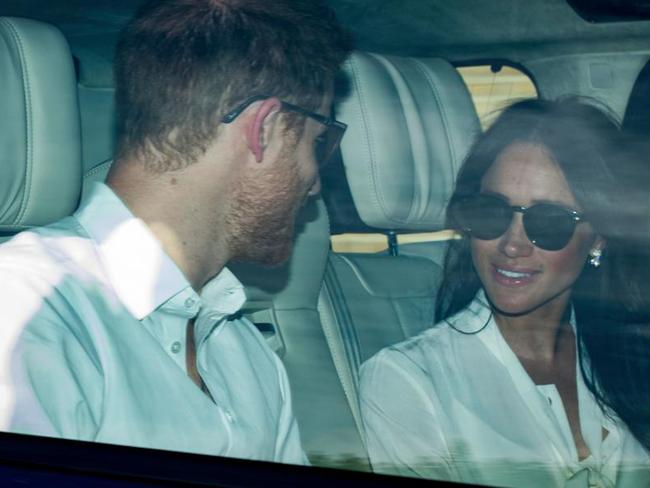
(515, 243)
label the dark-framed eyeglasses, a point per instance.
(486, 217)
(325, 144)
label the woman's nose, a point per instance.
(515, 243)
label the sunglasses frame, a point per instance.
(328, 122)
(573, 215)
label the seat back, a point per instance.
(410, 124)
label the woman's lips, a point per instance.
(513, 277)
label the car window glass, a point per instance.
(342, 314)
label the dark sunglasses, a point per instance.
(486, 217)
(325, 144)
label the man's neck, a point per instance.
(178, 218)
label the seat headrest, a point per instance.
(410, 125)
(40, 140)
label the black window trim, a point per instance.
(48, 461)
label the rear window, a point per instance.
(495, 86)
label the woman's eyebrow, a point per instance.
(568, 206)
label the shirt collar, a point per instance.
(223, 294)
(591, 416)
(221, 297)
(481, 322)
(141, 273)
(478, 319)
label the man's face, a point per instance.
(265, 206)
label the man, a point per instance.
(120, 325)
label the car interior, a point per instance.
(411, 119)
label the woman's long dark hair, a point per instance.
(609, 181)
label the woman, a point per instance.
(537, 371)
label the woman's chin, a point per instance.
(510, 305)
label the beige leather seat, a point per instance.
(410, 124)
(40, 141)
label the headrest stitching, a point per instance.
(398, 73)
(28, 118)
(364, 116)
(379, 188)
(446, 124)
(443, 111)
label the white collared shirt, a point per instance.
(447, 405)
(94, 317)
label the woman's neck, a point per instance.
(540, 334)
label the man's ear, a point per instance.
(258, 130)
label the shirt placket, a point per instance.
(208, 329)
(537, 404)
(171, 323)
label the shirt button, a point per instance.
(176, 347)
(189, 303)
(229, 416)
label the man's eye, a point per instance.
(320, 147)
(320, 143)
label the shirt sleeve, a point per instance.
(403, 434)
(40, 371)
(288, 447)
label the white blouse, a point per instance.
(447, 405)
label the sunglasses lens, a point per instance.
(549, 227)
(483, 216)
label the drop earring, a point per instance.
(595, 257)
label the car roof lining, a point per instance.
(457, 31)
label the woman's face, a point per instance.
(517, 276)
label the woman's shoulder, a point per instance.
(431, 344)
(437, 348)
